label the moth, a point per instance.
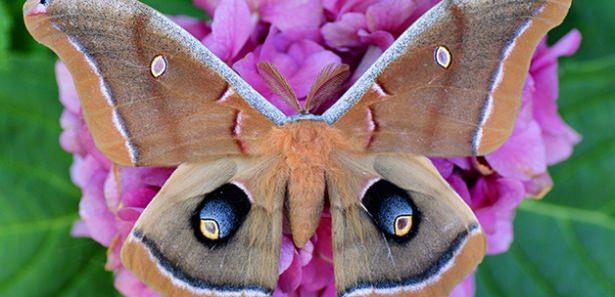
(152, 95)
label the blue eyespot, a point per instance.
(391, 209)
(221, 213)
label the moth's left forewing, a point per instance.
(451, 84)
(445, 242)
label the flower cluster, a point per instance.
(301, 38)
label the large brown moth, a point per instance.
(154, 96)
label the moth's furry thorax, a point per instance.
(305, 148)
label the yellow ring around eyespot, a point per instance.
(403, 225)
(210, 229)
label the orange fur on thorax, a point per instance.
(305, 148)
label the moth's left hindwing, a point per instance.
(399, 229)
(174, 250)
(151, 93)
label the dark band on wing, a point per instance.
(422, 279)
(194, 283)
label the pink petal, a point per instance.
(69, 139)
(303, 79)
(539, 186)
(445, 167)
(80, 229)
(522, 156)
(87, 142)
(494, 201)
(465, 288)
(130, 214)
(421, 6)
(343, 34)
(208, 5)
(371, 55)
(358, 5)
(460, 186)
(231, 29)
(388, 15)
(559, 138)
(196, 27)
(566, 46)
(324, 245)
(84, 169)
(111, 191)
(287, 254)
(130, 286)
(317, 275)
(139, 198)
(291, 278)
(305, 254)
(380, 38)
(246, 67)
(66, 88)
(94, 212)
(283, 14)
(560, 147)
(330, 290)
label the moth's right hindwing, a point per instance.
(211, 231)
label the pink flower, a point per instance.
(493, 186)
(299, 61)
(308, 271)
(300, 38)
(357, 24)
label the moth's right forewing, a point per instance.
(164, 249)
(151, 93)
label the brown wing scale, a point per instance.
(415, 104)
(148, 93)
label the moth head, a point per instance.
(392, 210)
(220, 214)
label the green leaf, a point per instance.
(177, 7)
(564, 244)
(5, 28)
(38, 203)
(595, 21)
(558, 251)
(20, 40)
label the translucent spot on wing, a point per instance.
(159, 66)
(443, 57)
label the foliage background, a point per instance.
(564, 245)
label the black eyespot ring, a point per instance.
(392, 210)
(220, 214)
(44, 2)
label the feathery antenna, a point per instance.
(328, 83)
(279, 85)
